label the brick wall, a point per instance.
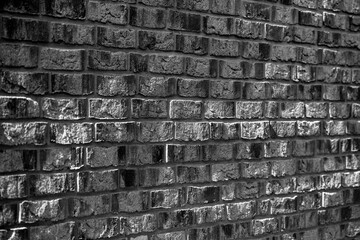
(180, 119)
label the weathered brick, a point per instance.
(192, 44)
(224, 48)
(23, 133)
(247, 150)
(96, 181)
(72, 34)
(225, 171)
(66, 8)
(254, 50)
(108, 12)
(336, 21)
(138, 62)
(13, 186)
(43, 210)
(106, 60)
(255, 130)
(308, 128)
(255, 169)
(192, 88)
(157, 176)
(166, 64)
(316, 110)
(277, 149)
(25, 30)
(201, 5)
(248, 29)
(278, 33)
(14, 55)
(192, 131)
(283, 128)
(23, 82)
(147, 17)
(256, 11)
(28, 6)
(131, 201)
(147, 108)
(198, 195)
(155, 131)
(137, 224)
(73, 84)
(62, 59)
(267, 225)
(64, 109)
(18, 107)
(354, 23)
(184, 21)
(277, 71)
(304, 35)
(303, 148)
(218, 25)
(282, 168)
(69, 133)
(128, 178)
(309, 18)
(330, 39)
(283, 15)
(117, 38)
(114, 85)
(282, 91)
(310, 92)
(249, 110)
(185, 109)
(159, 3)
(146, 154)
(292, 110)
(234, 70)
(219, 109)
(225, 131)
(18, 160)
(61, 159)
(115, 132)
(108, 108)
(198, 67)
(56, 183)
(64, 230)
(98, 228)
(193, 174)
(103, 156)
(163, 41)
(255, 90)
(334, 128)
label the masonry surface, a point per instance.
(180, 119)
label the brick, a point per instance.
(242, 210)
(72, 34)
(254, 50)
(330, 39)
(327, 146)
(282, 91)
(164, 198)
(49, 184)
(283, 15)
(332, 93)
(166, 64)
(277, 149)
(106, 60)
(73, 84)
(249, 29)
(148, 108)
(283, 168)
(310, 92)
(23, 82)
(303, 148)
(14, 55)
(42, 210)
(316, 110)
(247, 150)
(158, 3)
(224, 48)
(96, 181)
(225, 131)
(29, 7)
(163, 41)
(307, 128)
(108, 108)
(133, 201)
(128, 178)
(192, 44)
(333, 75)
(23, 133)
(309, 55)
(304, 35)
(103, 156)
(277, 71)
(25, 30)
(228, 7)
(185, 109)
(336, 21)
(184, 153)
(255, 169)
(66, 8)
(155, 131)
(197, 67)
(234, 70)
(70, 133)
(145, 154)
(138, 63)
(157, 176)
(20, 234)
(292, 110)
(60, 59)
(13, 186)
(147, 17)
(192, 88)
(218, 25)
(184, 21)
(267, 225)
(98, 228)
(193, 174)
(283, 128)
(249, 110)
(217, 109)
(333, 163)
(255, 130)
(192, 131)
(65, 230)
(137, 224)
(354, 23)
(18, 107)
(283, 53)
(334, 128)
(330, 199)
(18, 160)
(177, 218)
(157, 86)
(210, 214)
(201, 5)
(255, 90)
(278, 33)
(256, 11)
(305, 3)
(237, 230)
(283, 205)
(111, 85)
(115, 132)
(108, 12)
(309, 18)
(225, 172)
(225, 89)
(64, 109)
(60, 158)
(211, 233)
(198, 195)
(332, 57)
(117, 38)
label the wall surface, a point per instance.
(180, 119)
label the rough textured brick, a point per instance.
(197, 67)
(192, 44)
(18, 107)
(105, 60)
(64, 109)
(166, 64)
(185, 109)
(18, 55)
(18, 160)
(146, 17)
(184, 21)
(108, 12)
(218, 25)
(156, 176)
(96, 181)
(51, 184)
(24, 82)
(146, 108)
(255, 130)
(164, 41)
(66, 8)
(98, 228)
(192, 88)
(249, 29)
(217, 109)
(28, 6)
(249, 110)
(60, 59)
(23, 133)
(62, 230)
(73, 84)
(193, 174)
(225, 171)
(192, 131)
(224, 48)
(72, 34)
(108, 108)
(118, 38)
(115, 132)
(155, 131)
(13, 187)
(69, 133)
(59, 158)
(42, 210)
(114, 85)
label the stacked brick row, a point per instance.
(180, 119)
